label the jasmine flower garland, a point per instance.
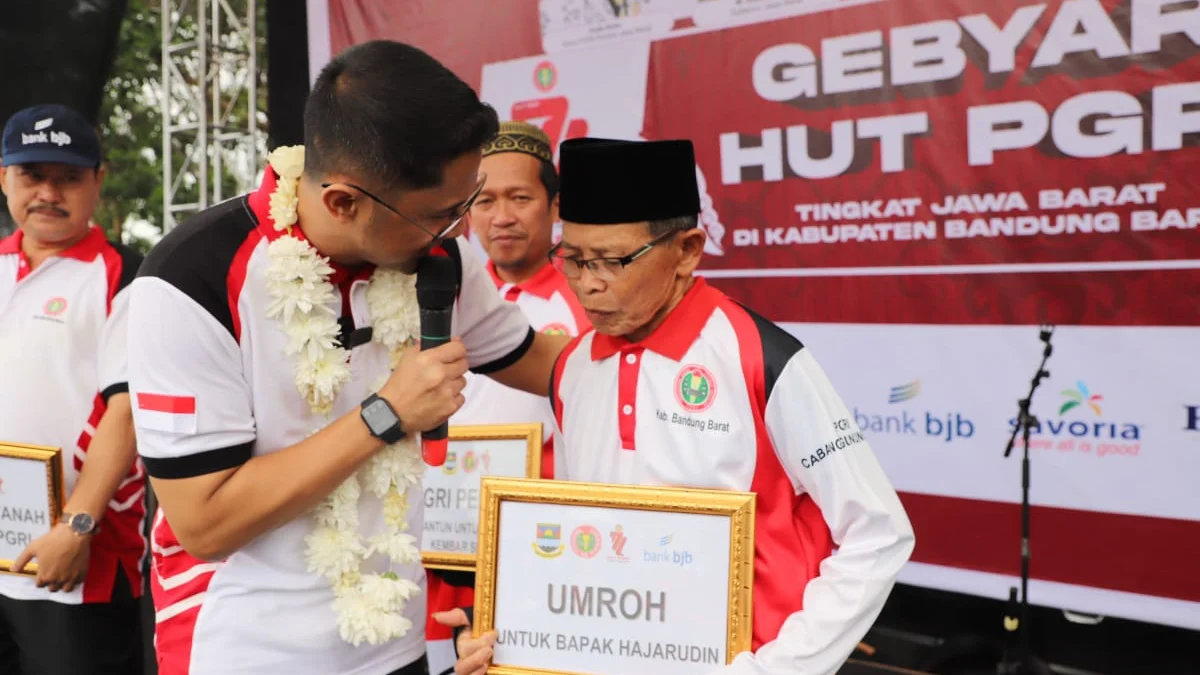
(369, 607)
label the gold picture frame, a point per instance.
(739, 507)
(530, 433)
(50, 459)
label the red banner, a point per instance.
(971, 143)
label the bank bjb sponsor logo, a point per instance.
(695, 388)
(585, 541)
(665, 554)
(1082, 425)
(616, 544)
(548, 543)
(556, 329)
(450, 466)
(903, 420)
(59, 138)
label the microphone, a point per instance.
(436, 288)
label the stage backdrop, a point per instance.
(911, 187)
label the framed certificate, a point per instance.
(452, 489)
(31, 491)
(613, 579)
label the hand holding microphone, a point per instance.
(426, 387)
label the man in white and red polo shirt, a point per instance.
(679, 385)
(237, 455)
(513, 219)
(63, 357)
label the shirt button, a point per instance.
(628, 409)
(631, 358)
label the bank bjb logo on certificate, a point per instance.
(679, 603)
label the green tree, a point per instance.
(130, 124)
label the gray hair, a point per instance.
(660, 228)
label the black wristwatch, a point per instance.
(81, 524)
(381, 419)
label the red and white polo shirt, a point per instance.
(551, 307)
(63, 329)
(718, 397)
(212, 388)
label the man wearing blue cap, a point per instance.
(63, 355)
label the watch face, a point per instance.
(379, 416)
(82, 523)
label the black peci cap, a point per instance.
(608, 182)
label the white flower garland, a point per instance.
(369, 607)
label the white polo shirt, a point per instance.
(551, 307)
(62, 353)
(212, 388)
(718, 397)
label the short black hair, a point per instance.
(392, 114)
(549, 177)
(659, 228)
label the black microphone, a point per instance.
(436, 287)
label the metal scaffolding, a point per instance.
(211, 144)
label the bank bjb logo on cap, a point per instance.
(548, 543)
(39, 135)
(695, 388)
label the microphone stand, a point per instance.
(1025, 663)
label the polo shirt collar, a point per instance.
(85, 249)
(676, 334)
(544, 284)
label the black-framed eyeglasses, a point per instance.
(604, 269)
(456, 216)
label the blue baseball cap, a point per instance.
(50, 134)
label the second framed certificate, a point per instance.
(31, 496)
(613, 579)
(452, 489)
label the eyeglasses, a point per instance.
(604, 269)
(456, 216)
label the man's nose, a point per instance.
(503, 216)
(48, 192)
(589, 282)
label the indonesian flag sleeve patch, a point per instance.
(170, 413)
